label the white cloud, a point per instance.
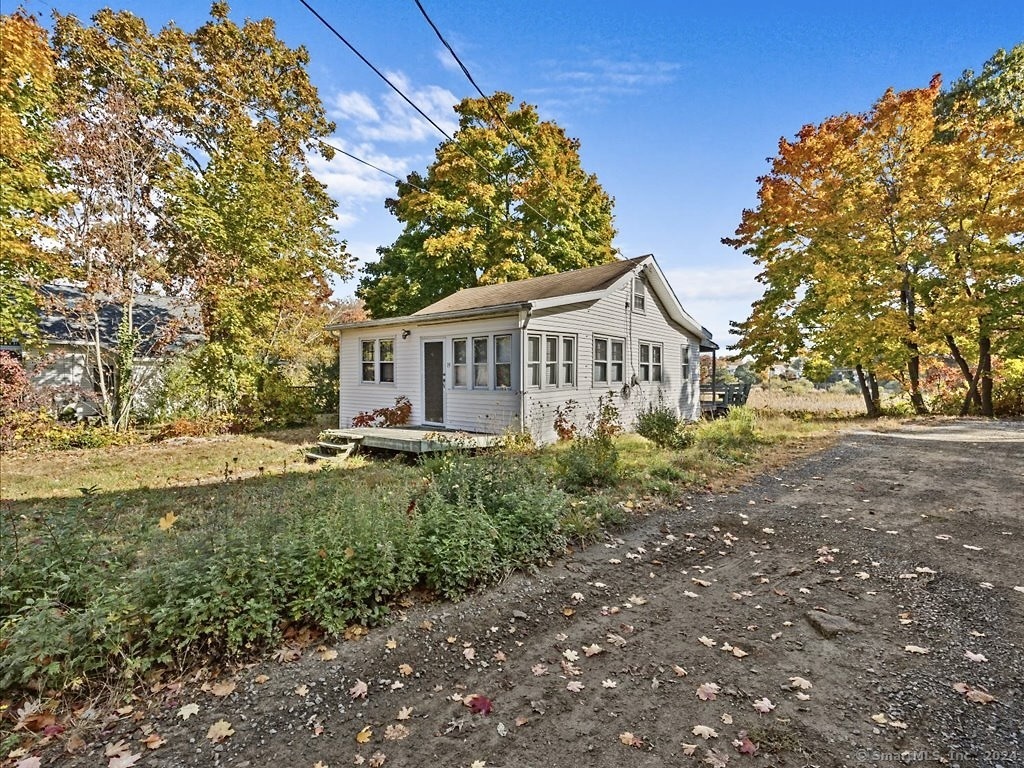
(391, 118)
(716, 297)
(582, 84)
(448, 61)
(352, 105)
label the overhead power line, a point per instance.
(495, 179)
(513, 135)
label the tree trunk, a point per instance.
(985, 369)
(973, 396)
(914, 371)
(875, 397)
(870, 403)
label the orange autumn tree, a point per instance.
(888, 237)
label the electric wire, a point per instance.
(496, 180)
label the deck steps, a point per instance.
(334, 451)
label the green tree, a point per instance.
(508, 199)
(246, 226)
(29, 171)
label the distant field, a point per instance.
(812, 401)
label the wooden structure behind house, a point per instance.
(509, 356)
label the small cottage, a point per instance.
(515, 355)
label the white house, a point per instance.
(508, 356)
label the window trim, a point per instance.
(534, 365)
(639, 296)
(475, 364)
(646, 369)
(609, 361)
(377, 360)
(463, 365)
(559, 365)
(502, 363)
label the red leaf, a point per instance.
(480, 704)
(747, 747)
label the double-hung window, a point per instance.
(459, 358)
(608, 361)
(481, 366)
(686, 366)
(639, 295)
(533, 360)
(377, 358)
(650, 361)
(503, 362)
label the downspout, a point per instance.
(339, 376)
(524, 320)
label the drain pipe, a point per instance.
(524, 320)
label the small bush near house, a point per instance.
(661, 425)
(389, 416)
(732, 437)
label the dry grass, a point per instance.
(172, 463)
(781, 399)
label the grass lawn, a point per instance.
(115, 561)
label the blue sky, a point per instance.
(677, 105)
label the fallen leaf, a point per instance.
(704, 732)
(978, 657)
(396, 732)
(404, 670)
(539, 670)
(708, 691)
(689, 749)
(167, 521)
(739, 653)
(617, 640)
(680, 672)
(301, 690)
(570, 654)
(28, 762)
(745, 746)
(364, 735)
(478, 764)
(391, 644)
(188, 710)
(377, 759)
(880, 718)
(705, 640)
(359, 690)
(764, 705)
(219, 731)
(478, 704)
(630, 740)
(799, 682)
(592, 650)
(154, 741)
(404, 713)
(124, 761)
(469, 653)
(260, 679)
(637, 599)
(915, 649)
(727, 718)
(609, 683)
(223, 688)
(574, 686)
(326, 654)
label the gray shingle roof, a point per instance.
(545, 287)
(163, 322)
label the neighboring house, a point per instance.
(67, 364)
(507, 356)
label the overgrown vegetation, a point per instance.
(108, 584)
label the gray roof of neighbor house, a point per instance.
(531, 289)
(165, 323)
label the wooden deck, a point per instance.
(716, 401)
(410, 439)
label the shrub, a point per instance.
(565, 420)
(588, 462)
(388, 416)
(485, 516)
(661, 425)
(585, 520)
(731, 437)
(195, 426)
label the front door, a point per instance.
(433, 382)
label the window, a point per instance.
(459, 362)
(568, 361)
(369, 357)
(551, 361)
(533, 344)
(686, 365)
(387, 360)
(481, 369)
(639, 295)
(502, 362)
(377, 357)
(608, 362)
(650, 362)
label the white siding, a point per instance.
(613, 317)
(474, 410)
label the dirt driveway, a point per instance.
(864, 605)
